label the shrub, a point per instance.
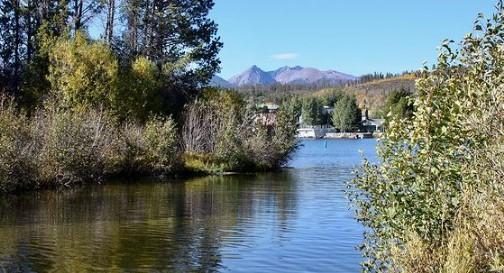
(212, 130)
(285, 130)
(75, 146)
(271, 148)
(229, 146)
(159, 137)
(149, 148)
(427, 205)
(221, 133)
(259, 149)
(133, 150)
(17, 166)
(64, 147)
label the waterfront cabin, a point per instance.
(315, 131)
(373, 125)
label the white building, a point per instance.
(315, 131)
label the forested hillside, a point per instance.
(171, 44)
(372, 95)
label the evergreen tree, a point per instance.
(332, 97)
(311, 111)
(11, 48)
(398, 104)
(346, 115)
(177, 35)
(182, 41)
(83, 11)
(25, 29)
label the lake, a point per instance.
(296, 220)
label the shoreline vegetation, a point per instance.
(55, 147)
(435, 202)
(77, 109)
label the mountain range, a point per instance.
(284, 75)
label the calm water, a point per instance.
(293, 221)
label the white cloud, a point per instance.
(285, 56)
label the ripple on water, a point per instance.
(297, 220)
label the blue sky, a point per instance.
(355, 37)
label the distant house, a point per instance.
(268, 107)
(373, 125)
(311, 132)
(266, 114)
(370, 124)
(328, 110)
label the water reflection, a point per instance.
(145, 225)
(293, 221)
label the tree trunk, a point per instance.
(109, 29)
(31, 25)
(17, 45)
(132, 7)
(78, 14)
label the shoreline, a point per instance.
(132, 176)
(353, 135)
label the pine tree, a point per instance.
(176, 34)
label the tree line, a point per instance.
(381, 76)
(174, 42)
(341, 110)
(335, 109)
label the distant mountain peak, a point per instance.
(285, 75)
(309, 75)
(217, 81)
(252, 76)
